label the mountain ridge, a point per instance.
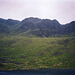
(37, 27)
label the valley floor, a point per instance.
(17, 52)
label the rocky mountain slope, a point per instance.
(36, 27)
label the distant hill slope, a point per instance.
(6, 26)
(69, 28)
(37, 27)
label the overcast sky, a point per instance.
(62, 10)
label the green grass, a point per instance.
(17, 52)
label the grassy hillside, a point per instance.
(33, 53)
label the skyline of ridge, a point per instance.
(61, 10)
(35, 18)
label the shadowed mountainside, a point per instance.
(36, 27)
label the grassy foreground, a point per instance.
(33, 53)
